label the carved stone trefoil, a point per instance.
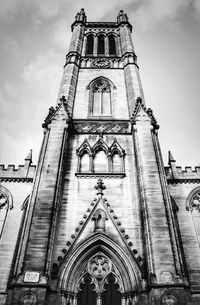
(99, 266)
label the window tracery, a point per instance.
(100, 279)
(102, 95)
(5, 205)
(101, 105)
(101, 158)
(194, 207)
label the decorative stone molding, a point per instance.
(29, 298)
(102, 63)
(100, 175)
(102, 127)
(52, 112)
(169, 298)
(99, 266)
(140, 104)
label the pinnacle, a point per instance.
(29, 156)
(170, 157)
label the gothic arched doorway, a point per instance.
(99, 286)
(99, 273)
(110, 295)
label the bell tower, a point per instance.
(99, 227)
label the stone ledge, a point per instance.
(102, 175)
(13, 179)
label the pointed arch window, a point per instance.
(87, 295)
(5, 205)
(112, 45)
(84, 162)
(195, 210)
(101, 100)
(111, 295)
(116, 162)
(90, 45)
(101, 45)
(100, 161)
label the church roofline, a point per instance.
(102, 24)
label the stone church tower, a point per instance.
(100, 220)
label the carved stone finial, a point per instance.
(81, 16)
(63, 99)
(100, 187)
(29, 156)
(139, 99)
(170, 158)
(122, 17)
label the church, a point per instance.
(100, 220)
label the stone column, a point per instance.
(95, 45)
(106, 46)
(84, 46)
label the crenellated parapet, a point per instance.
(23, 173)
(176, 174)
(184, 175)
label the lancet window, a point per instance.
(90, 44)
(101, 97)
(100, 158)
(101, 44)
(112, 45)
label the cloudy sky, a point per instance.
(34, 38)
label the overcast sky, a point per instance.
(34, 39)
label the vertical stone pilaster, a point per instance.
(84, 46)
(106, 46)
(156, 233)
(126, 40)
(95, 45)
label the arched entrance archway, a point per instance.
(102, 266)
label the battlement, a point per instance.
(23, 173)
(178, 174)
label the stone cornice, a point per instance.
(15, 179)
(176, 181)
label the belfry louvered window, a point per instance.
(101, 45)
(112, 45)
(101, 105)
(90, 44)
